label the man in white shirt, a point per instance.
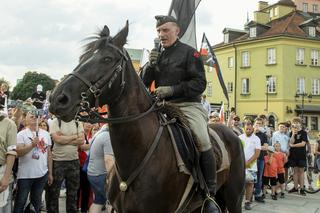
(252, 147)
(35, 164)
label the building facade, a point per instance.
(272, 66)
(308, 6)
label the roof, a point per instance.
(135, 54)
(286, 3)
(286, 25)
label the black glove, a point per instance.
(164, 92)
(153, 57)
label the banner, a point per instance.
(210, 59)
(184, 12)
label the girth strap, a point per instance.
(138, 170)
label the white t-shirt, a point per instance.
(251, 143)
(29, 165)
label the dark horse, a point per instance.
(106, 74)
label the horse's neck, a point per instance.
(130, 140)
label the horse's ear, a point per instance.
(121, 38)
(105, 32)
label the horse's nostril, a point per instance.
(62, 99)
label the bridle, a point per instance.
(96, 89)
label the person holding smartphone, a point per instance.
(35, 163)
(298, 154)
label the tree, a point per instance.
(27, 86)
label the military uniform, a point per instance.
(181, 67)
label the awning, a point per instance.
(308, 108)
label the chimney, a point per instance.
(262, 5)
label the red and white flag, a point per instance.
(221, 113)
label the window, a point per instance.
(300, 56)
(230, 62)
(315, 57)
(315, 8)
(245, 86)
(271, 84)
(245, 59)
(312, 31)
(271, 12)
(300, 85)
(226, 38)
(305, 121)
(253, 32)
(305, 7)
(209, 89)
(230, 87)
(314, 123)
(271, 55)
(315, 87)
(276, 11)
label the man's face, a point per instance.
(236, 122)
(168, 34)
(259, 123)
(282, 128)
(31, 119)
(248, 128)
(4, 87)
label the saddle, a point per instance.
(187, 154)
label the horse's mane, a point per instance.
(97, 42)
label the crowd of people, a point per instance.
(46, 155)
(50, 154)
(269, 154)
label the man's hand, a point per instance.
(50, 179)
(78, 141)
(3, 184)
(35, 141)
(153, 57)
(164, 92)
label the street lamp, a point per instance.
(267, 93)
(302, 95)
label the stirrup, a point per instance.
(209, 199)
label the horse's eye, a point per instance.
(107, 59)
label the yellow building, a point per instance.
(272, 66)
(135, 56)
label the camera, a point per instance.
(39, 112)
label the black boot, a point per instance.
(208, 167)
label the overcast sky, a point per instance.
(46, 35)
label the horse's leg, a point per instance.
(220, 199)
(233, 190)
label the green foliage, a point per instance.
(28, 85)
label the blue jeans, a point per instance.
(258, 184)
(98, 186)
(34, 186)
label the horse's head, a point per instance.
(99, 73)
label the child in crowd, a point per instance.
(281, 159)
(270, 172)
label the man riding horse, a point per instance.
(179, 77)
